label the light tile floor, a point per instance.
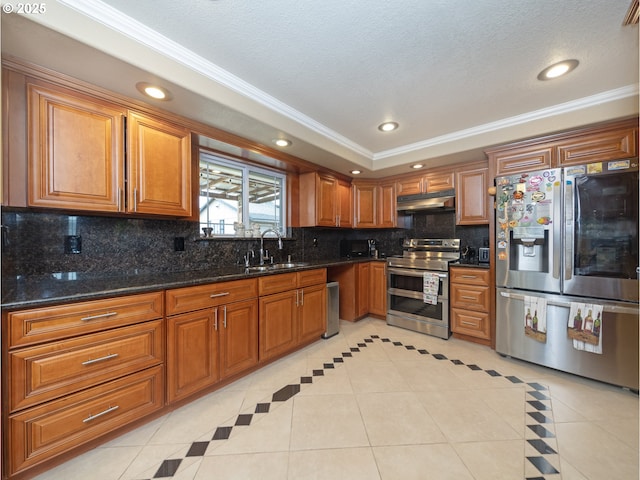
(371, 403)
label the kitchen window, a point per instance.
(238, 199)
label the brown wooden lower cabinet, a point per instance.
(45, 431)
(81, 371)
(290, 318)
(363, 289)
(207, 345)
(378, 289)
(278, 315)
(470, 303)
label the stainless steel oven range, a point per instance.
(408, 305)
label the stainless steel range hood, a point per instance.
(440, 201)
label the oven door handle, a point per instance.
(415, 273)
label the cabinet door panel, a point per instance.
(159, 167)
(386, 205)
(192, 353)
(182, 300)
(366, 205)
(362, 282)
(238, 336)
(378, 289)
(42, 432)
(436, 182)
(54, 323)
(345, 205)
(278, 314)
(75, 150)
(52, 370)
(475, 324)
(471, 297)
(312, 312)
(472, 199)
(326, 207)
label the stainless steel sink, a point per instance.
(275, 266)
(262, 268)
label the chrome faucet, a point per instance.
(262, 250)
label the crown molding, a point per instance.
(562, 108)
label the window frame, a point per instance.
(247, 170)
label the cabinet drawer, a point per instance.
(470, 296)
(312, 277)
(469, 276)
(277, 283)
(45, 372)
(51, 429)
(181, 300)
(54, 323)
(475, 324)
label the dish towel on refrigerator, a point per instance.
(585, 326)
(430, 285)
(535, 318)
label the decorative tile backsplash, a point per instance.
(36, 243)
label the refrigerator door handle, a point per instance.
(568, 228)
(557, 228)
(605, 306)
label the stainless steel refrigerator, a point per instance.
(567, 241)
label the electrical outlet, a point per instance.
(73, 244)
(315, 242)
(178, 244)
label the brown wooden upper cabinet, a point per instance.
(325, 201)
(439, 181)
(76, 156)
(610, 141)
(472, 199)
(426, 183)
(375, 204)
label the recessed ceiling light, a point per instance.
(388, 126)
(282, 142)
(356, 172)
(417, 165)
(558, 69)
(153, 91)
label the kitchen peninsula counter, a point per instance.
(42, 290)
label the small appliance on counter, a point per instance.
(483, 255)
(355, 248)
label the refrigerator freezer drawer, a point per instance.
(618, 363)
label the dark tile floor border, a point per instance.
(540, 440)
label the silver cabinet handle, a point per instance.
(135, 199)
(95, 317)
(101, 359)
(297, 301)
(97, 415)
(468, 276)
(301, 297)
(471, 324)
(216, 295)
(466, 297)
(224, 309)
(215, 320)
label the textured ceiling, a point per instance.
(457, 75)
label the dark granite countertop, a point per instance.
(471, 265)
(37, 291)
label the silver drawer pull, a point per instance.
(471, 324)
(101, 359)
(466, 297)
(468, 276)
(215, 295)
(102, 315)
(97, 415)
